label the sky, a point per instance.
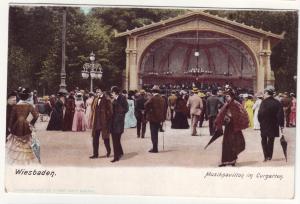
(86, 10)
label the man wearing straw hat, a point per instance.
(196, 105)
(155, 110)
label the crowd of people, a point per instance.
(107, 113)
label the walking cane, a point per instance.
(164, 124)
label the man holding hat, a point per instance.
(155, 108)
(196, 105)
(270, 117)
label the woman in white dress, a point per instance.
(130, 120)
(255, 108)
(88, 111)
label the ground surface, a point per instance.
(180, 149)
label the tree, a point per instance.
(284, 54)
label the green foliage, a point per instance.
(284, 54)
(19, 68)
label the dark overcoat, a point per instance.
(270, 117)
(139, 107)
(120, 108)
(155, 109)
(105, 116)
(213, 104)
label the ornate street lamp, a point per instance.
(94, 70)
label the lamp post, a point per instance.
(92, 70)
(62, 86)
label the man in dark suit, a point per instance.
(120, 108)
(213, 104)
(270, 117)
(101, 119)
(140, 114)
(155, 109)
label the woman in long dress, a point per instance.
(130, 119)
(249, 108)
(88, 111)
(255, 108)
(235, 118)
(56, 116)
(180, 120)
(293, 111)
(18, 144)
(79, 123)
(69, 113)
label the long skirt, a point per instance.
(56, 120)
(180, 121)
(293, 118)
(79, 123)
(233, 144)
(130, 120)
(88, 118)
(68, 121)
(19, 151)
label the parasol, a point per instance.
(218, 133)
(35, 145)
(283, 143)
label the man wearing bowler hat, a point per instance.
(270, 117)
(155, 108)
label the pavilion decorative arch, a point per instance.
(247, 49)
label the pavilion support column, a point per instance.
(133, 79)
(269, 75)
(265, 62)
(260, 77)
(126, 85)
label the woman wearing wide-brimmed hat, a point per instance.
(235, 118)
(18, 144)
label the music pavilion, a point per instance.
(199, 47)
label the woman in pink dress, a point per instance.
(79, 123)
(293, 111)
(88, 111)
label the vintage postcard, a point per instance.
(151, 101)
